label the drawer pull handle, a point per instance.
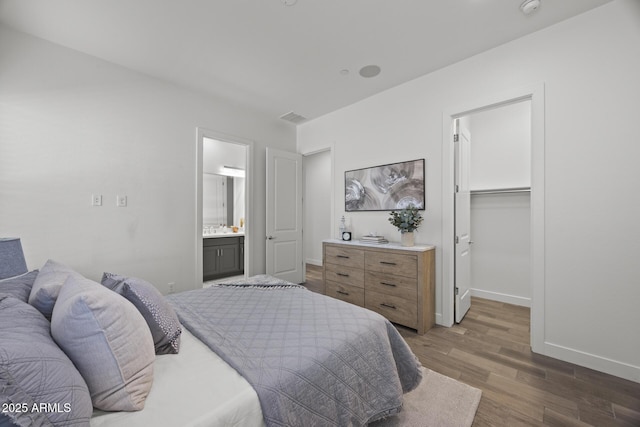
(342, 293)
(387, 263)
(343, 274)
(342, 256)
(384, 304)
(393, 285)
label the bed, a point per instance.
(261, 352)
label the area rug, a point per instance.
(438, 401)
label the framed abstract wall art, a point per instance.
(385, 187)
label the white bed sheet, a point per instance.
(193, 388)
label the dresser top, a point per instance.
(390, 245)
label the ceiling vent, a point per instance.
(293, 117)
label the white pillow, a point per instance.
(108, 340)
(47, 285)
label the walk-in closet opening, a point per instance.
(500, 203)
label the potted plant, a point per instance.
(406, 221)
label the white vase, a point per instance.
(407, 238)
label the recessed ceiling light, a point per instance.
(289, 2)
(344, 72)
(369, 71)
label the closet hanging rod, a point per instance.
(503, 190)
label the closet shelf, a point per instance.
(502, 190)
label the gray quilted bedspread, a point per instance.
(313, 360)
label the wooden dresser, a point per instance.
(396, 281)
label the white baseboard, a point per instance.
(314, 262)
(496, 296)
(439, 320)
(592, 361)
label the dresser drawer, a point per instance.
(403, 265)
(391, 284)
(346, 275)
(348, 293)
(397, 310)
(349, 257)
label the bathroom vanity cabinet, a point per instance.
(222, 257)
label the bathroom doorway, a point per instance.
(223, 180)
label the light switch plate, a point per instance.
(121, 201)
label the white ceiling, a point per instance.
(280, 58)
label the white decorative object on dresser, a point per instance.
(396, 281)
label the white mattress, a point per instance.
(193, 388)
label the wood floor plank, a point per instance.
(502, 342)
(549, 364)
(553, 418)
(486, 364)
(535, 395)
(526, 409)
(507, 324)
(514, 363)
(492, 413)
(625, 414)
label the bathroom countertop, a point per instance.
(219, 235)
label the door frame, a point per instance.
(534, 93)
(202, 133)
(331, 149)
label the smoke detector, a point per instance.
(529, 6)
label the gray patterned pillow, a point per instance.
(34, 370)
(19, 286)
(159, 315)
(107, 339)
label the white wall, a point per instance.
(501, 147)
(589, 66)
(72, 125)
(317, 204)
(501, 223)
(501, 254)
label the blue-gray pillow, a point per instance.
(35, 371)
(13, 262)
(19, 286)
(108, 341)
(159, 315)
(47, 286)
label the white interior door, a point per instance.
(284, 215)
(462, 209)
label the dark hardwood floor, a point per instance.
(490, 350)
(314, 279)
